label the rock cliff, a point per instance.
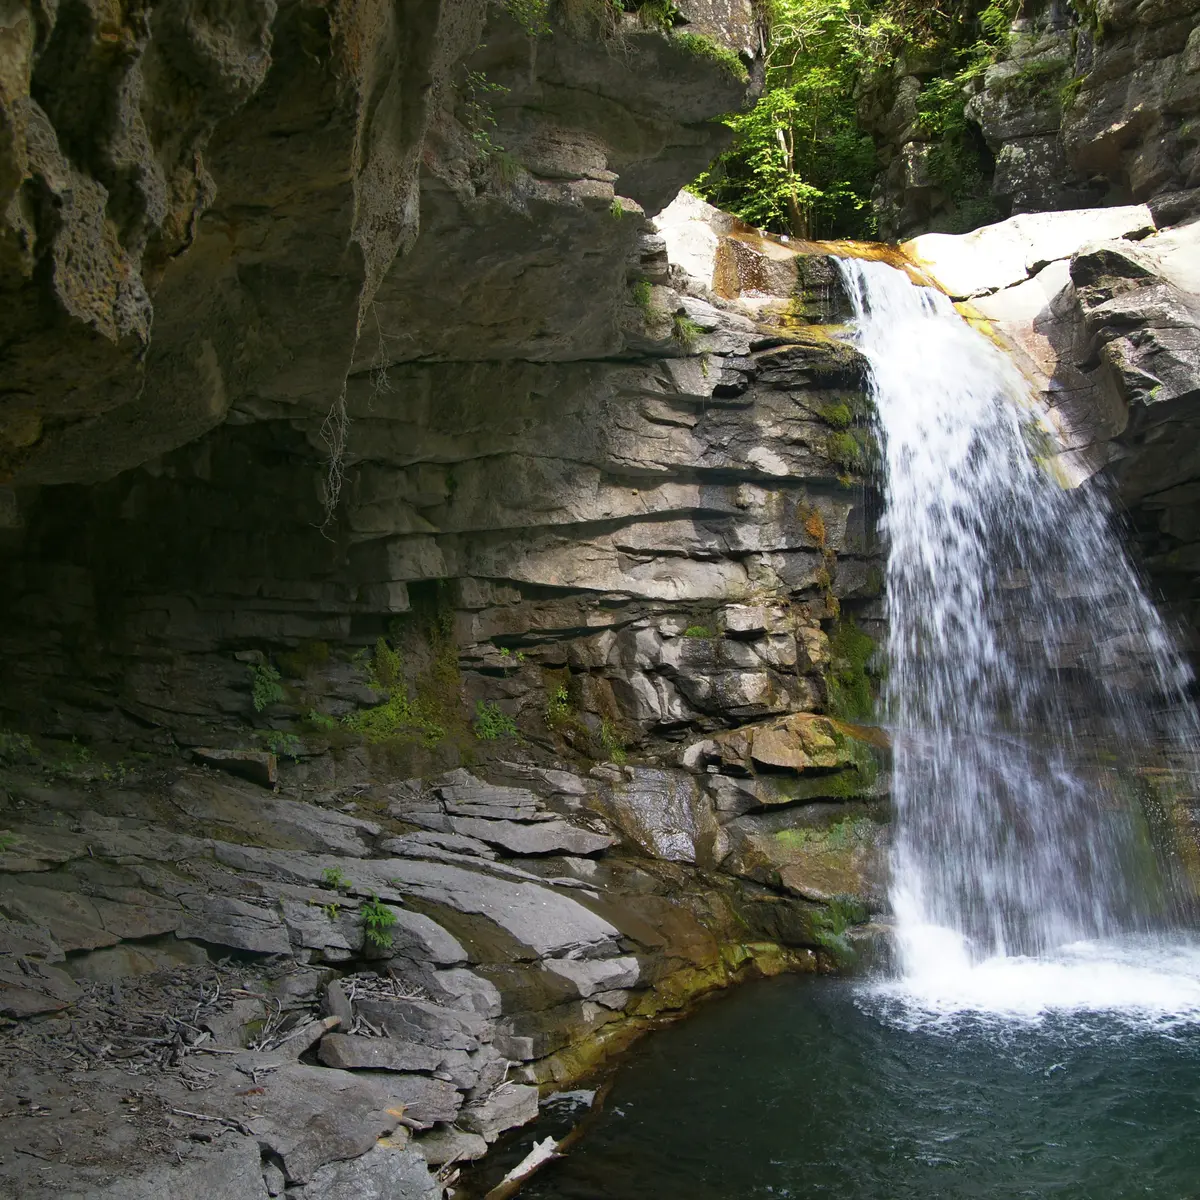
(1093, 102)
(436, 599)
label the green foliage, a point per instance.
(8, 840)
(385, 668)
(286, 745)
(265, 687)
(831, 927)
(377, 921)
(698, 631)
(702, 46)
(685, 331)
(612, 743)
(559, 715)
(848, 681)
(16, 747)
(616, 209)
(332, 877)
(800, 162)
(658, 14)
(1033, 80)
(841, 835)
(851, 832)
(478, 92)
(492, 722)
(396, 717)
(531, 15)
(642, 295)
(322, 721)
(427, 634)
(1069, 92)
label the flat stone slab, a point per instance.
(426, 1024)
(383, 1173)
(998, 256)
(546, 837)
(353, 1053)
(258, 766)
(508, 1106)
(422, 1100)
(452, 1145)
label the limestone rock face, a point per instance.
(1092, 104)
(402, 537)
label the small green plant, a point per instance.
(492, 722)
(479, 115)
(332, 877)
(114, 772)
(698, 631)
(1070, 90)
(395, 717)
(702, 46)
(265, 687)
(508, 165)
(1032, 80)
(612, 743)
(794, 839)
(332, 909)
(642, 295)
(7, 841)
(851, 832)
(531, 15)
(685, 331)
(831, 926)
(385, 667)
(659, 14)
(616, 209)
(16, 747)
(558, 708)
(322, 721)
(286, 745)
(377, 921)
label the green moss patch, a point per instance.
(849, 685)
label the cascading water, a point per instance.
(1020, 644)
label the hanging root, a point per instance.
(334, 430)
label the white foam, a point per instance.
(1151, 981)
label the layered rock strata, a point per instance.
(338, 832)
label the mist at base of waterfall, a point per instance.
(825, 1089)
(1140, 982)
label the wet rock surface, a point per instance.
(1102, 311)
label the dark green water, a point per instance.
(802, 1088)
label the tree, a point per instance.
(801, 162)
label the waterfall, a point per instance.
(1023, 658)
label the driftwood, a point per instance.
(542, 1153)
(547, 1151)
